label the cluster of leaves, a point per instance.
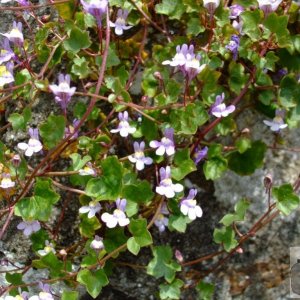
(157, 99)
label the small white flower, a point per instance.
(118, 216)
(87, 170)
(47, 249)
(211, 5)
(22, 296)
(29, 227)
(277, 124)
(91, 209)
(124, 127)
(189, 207)
(120, 24)
(6, 75)
(34, 145)
(161, 222)
(6, 182)
(97, 243)
(139, 157)
(15, 35)
(166, 145)
(166, 186)
(268, 6)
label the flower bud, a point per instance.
(268, 182)
(179, 256)
(16, 160)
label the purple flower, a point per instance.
(70, 129)
(268, 6)
(189, 207)
(44, 295)
(119, 25)
(124, 128)
(96, 8)
(166, 144)
(29, 227)
(219, 109)
(34, 145)
(49, 247)
(186, 61)
(63, 92)
(97, 243)
(200, 154)
(15, 35)
(139, 157)
(161, 220)
(166, 186)
(235, 11)
(22, 296)
(277, 123)
(6, 182)
(233, 45)
(23, 2)
(118, 216)
(91, 209)
(238, 26)
(6, 52)
(211, 5)
(6, 74)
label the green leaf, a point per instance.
(178, 222)
(237, 78)
(112, 58)
(93, 281)
(138, 228)
(109, 185)
(172, 8)
(14, 279)
(140, 192)
(20, 121)
(114, 238)
(206, 290)
(251, 21)
(38, 239)
(246, 163)
(80, 67)
(77, 40)
(149, 129)
(278, 26)
(239, 215)
(52, 131)
(213, 168)
(194, 26)
(173, 90)
(39, 206)
(77, 162)
(186, 120)
(170, 291)
(243, 144)
(183, 164)
(133, 246)
(69, 295)
(66, 9)
(226, 237)
(2, 151)
(289, 91)
(286, 199)
(162, 265)
(88, 226)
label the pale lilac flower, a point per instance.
(97, 243)
(235, 11)
(49, 247)
(161, 221)
(34, 145)
(29, 227)
(6, 182)
(118, 216)
(44, 295)
(71, 128)
(233, 46)
(15, 35)
(96, 8)
(22, 296)
(238, 26)
(200, 154)
(138, 158)
(6, 74)
(166, 186)
(23, 2)
(219, 109)
(124, 128)
(211, 5)
(277, 123)
(166, 144)
(63, 92)
(120, 24)
(87, 170)
(268, 6)
(91, 209)
(6, 53)
(189, 207)
(186, 61)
